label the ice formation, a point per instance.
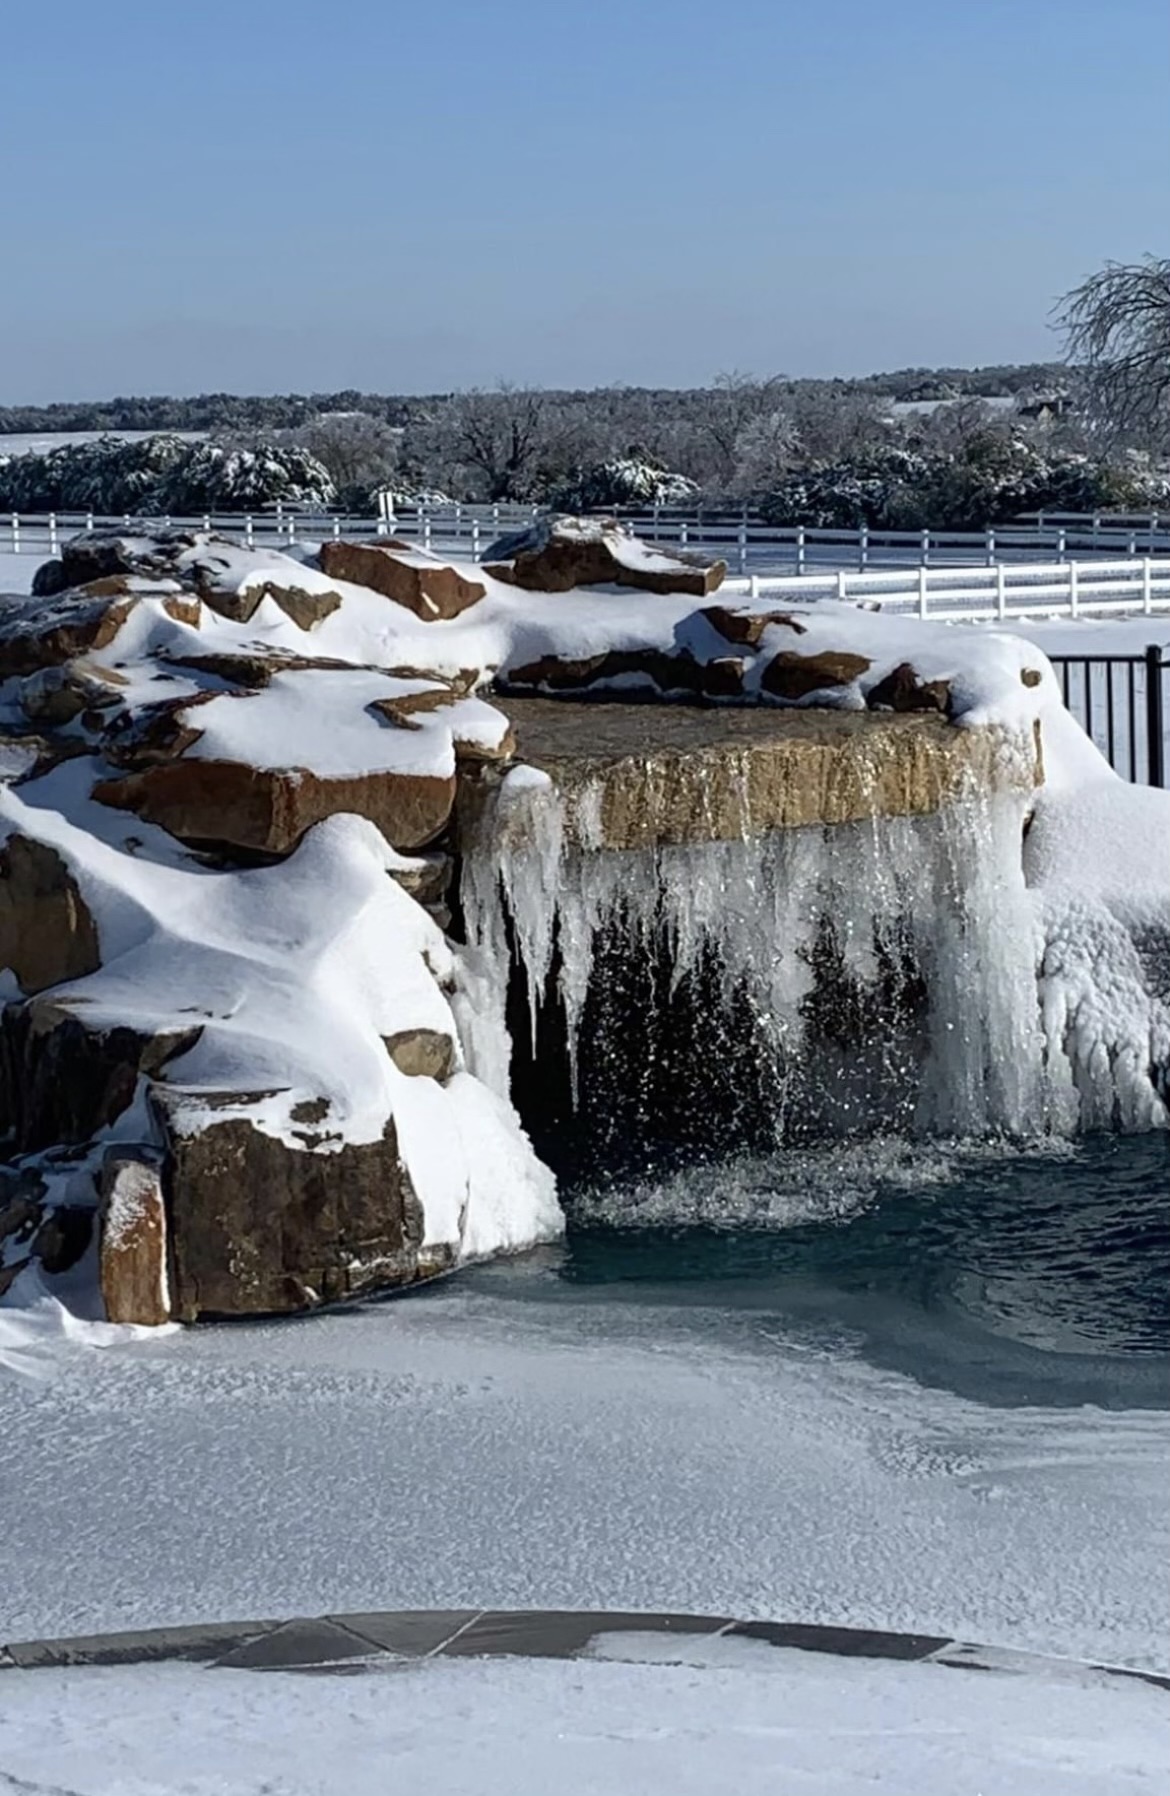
(993, 1007)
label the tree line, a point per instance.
(919, 447)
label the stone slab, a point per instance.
(198, 1644)
(639, 776)
(297, 1643)
(376, 1641)
(411, 1633)
(562, 1634)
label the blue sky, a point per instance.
(263, 196)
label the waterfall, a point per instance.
(895, 971)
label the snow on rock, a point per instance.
(556, 554)
(220, 762)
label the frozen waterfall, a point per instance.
(892, 973)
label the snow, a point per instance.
(754, 1721)
(324, 721)
(16, 572)
(578, 1450)
(293, 975)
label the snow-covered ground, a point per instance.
(732, 1716)
(40, 442)
(459, 1448)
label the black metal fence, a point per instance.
(1123, 703)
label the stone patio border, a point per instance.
(355, 1643)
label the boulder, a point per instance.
(63, 1237)
(403, 712)
(99, 554)
(132, 1239)
(36, 635)
(422, 1053)
(47, 934)
(63, 1079)
(659, 675)
(231, 806)
(260, 1228)
(56, 695)
(792, 677)
(428, 879)
(432, 589)
(902, 690)
(240, 603)
(556, 554)
(746, 628)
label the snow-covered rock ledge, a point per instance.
(237, 1029)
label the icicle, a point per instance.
(890, 908)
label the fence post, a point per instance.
(841, 591)
(1001, 592)
(207, 520)
(682, 533)
(427, 532)
(15, 533)
(922, 589)
(249, 532)
(475, 549)
(990, 539)
(89, 521)
(754, 587)
(926, 548)
(1074, 589)
(1133, 542)
(1147, 585)
(336, 529)
(800, 548)
(52, 533)
(743, 548)
(1062, 544)
(1155, 717)
(863, 548)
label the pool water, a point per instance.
(1008, 1275)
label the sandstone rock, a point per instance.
(403, 711)
(432, 589)
(665, 675)
(36, 635)
(792, 677)
(103, 554)
(240, 603)
(428, 882)
(62, 1080)
(47, 934)
(63, 1237)
(556, 554)
(902, 690)
(56, 695)
(645, 776)
(132, 1240)
(258, 1227)
(50, 579)
(422, 1053)
(746, 628)
(229, 805)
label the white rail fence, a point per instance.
(944, 575)
(739, 538)
(1059, 589)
